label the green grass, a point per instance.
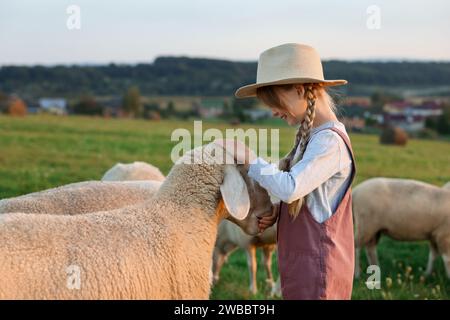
(40, 152)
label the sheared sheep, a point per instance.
(133, 171)
(230, 237)
(82, 197)
(160, 249)
(405, 210)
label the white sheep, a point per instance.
(92, 196)
(133, 171)
(82, 197)
(160, 249)
(446, 186)
(230, 237)
(405, 210)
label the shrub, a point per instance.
(394, 135)
(88, 106)
(16, 107)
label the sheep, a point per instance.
(405, 210)
(133, 171)
(159, 249)
(447, 185)
(230, 237)
(82, 197)
(92, 196)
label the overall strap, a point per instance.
(349, 147)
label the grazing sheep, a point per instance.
(160, 249)
(230, 237)
(447, 185)
(133, 171)
(405, 210)
(82, 197)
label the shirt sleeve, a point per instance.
(321, 160)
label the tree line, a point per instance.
(198, 76)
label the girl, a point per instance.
(315, 226)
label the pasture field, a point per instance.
(40, 152)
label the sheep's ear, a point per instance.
(234, 193)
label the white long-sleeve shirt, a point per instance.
(323, 173)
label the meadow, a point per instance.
(40, 152)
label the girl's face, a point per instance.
(295, 104)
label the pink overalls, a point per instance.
(316, 260)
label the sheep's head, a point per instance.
(243, 201)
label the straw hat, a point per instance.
(287, 63)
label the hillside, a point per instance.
(209, 77)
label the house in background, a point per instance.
(211, 107)
(409, 116)
(357, 101)
(353, 113)
(56, 106)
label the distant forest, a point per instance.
(197, 76)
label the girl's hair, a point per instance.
(268, 95)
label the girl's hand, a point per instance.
(239, 150)
(268, 221)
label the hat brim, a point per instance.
(250, 90)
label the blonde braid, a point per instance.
(301, 140)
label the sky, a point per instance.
(137, 31)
